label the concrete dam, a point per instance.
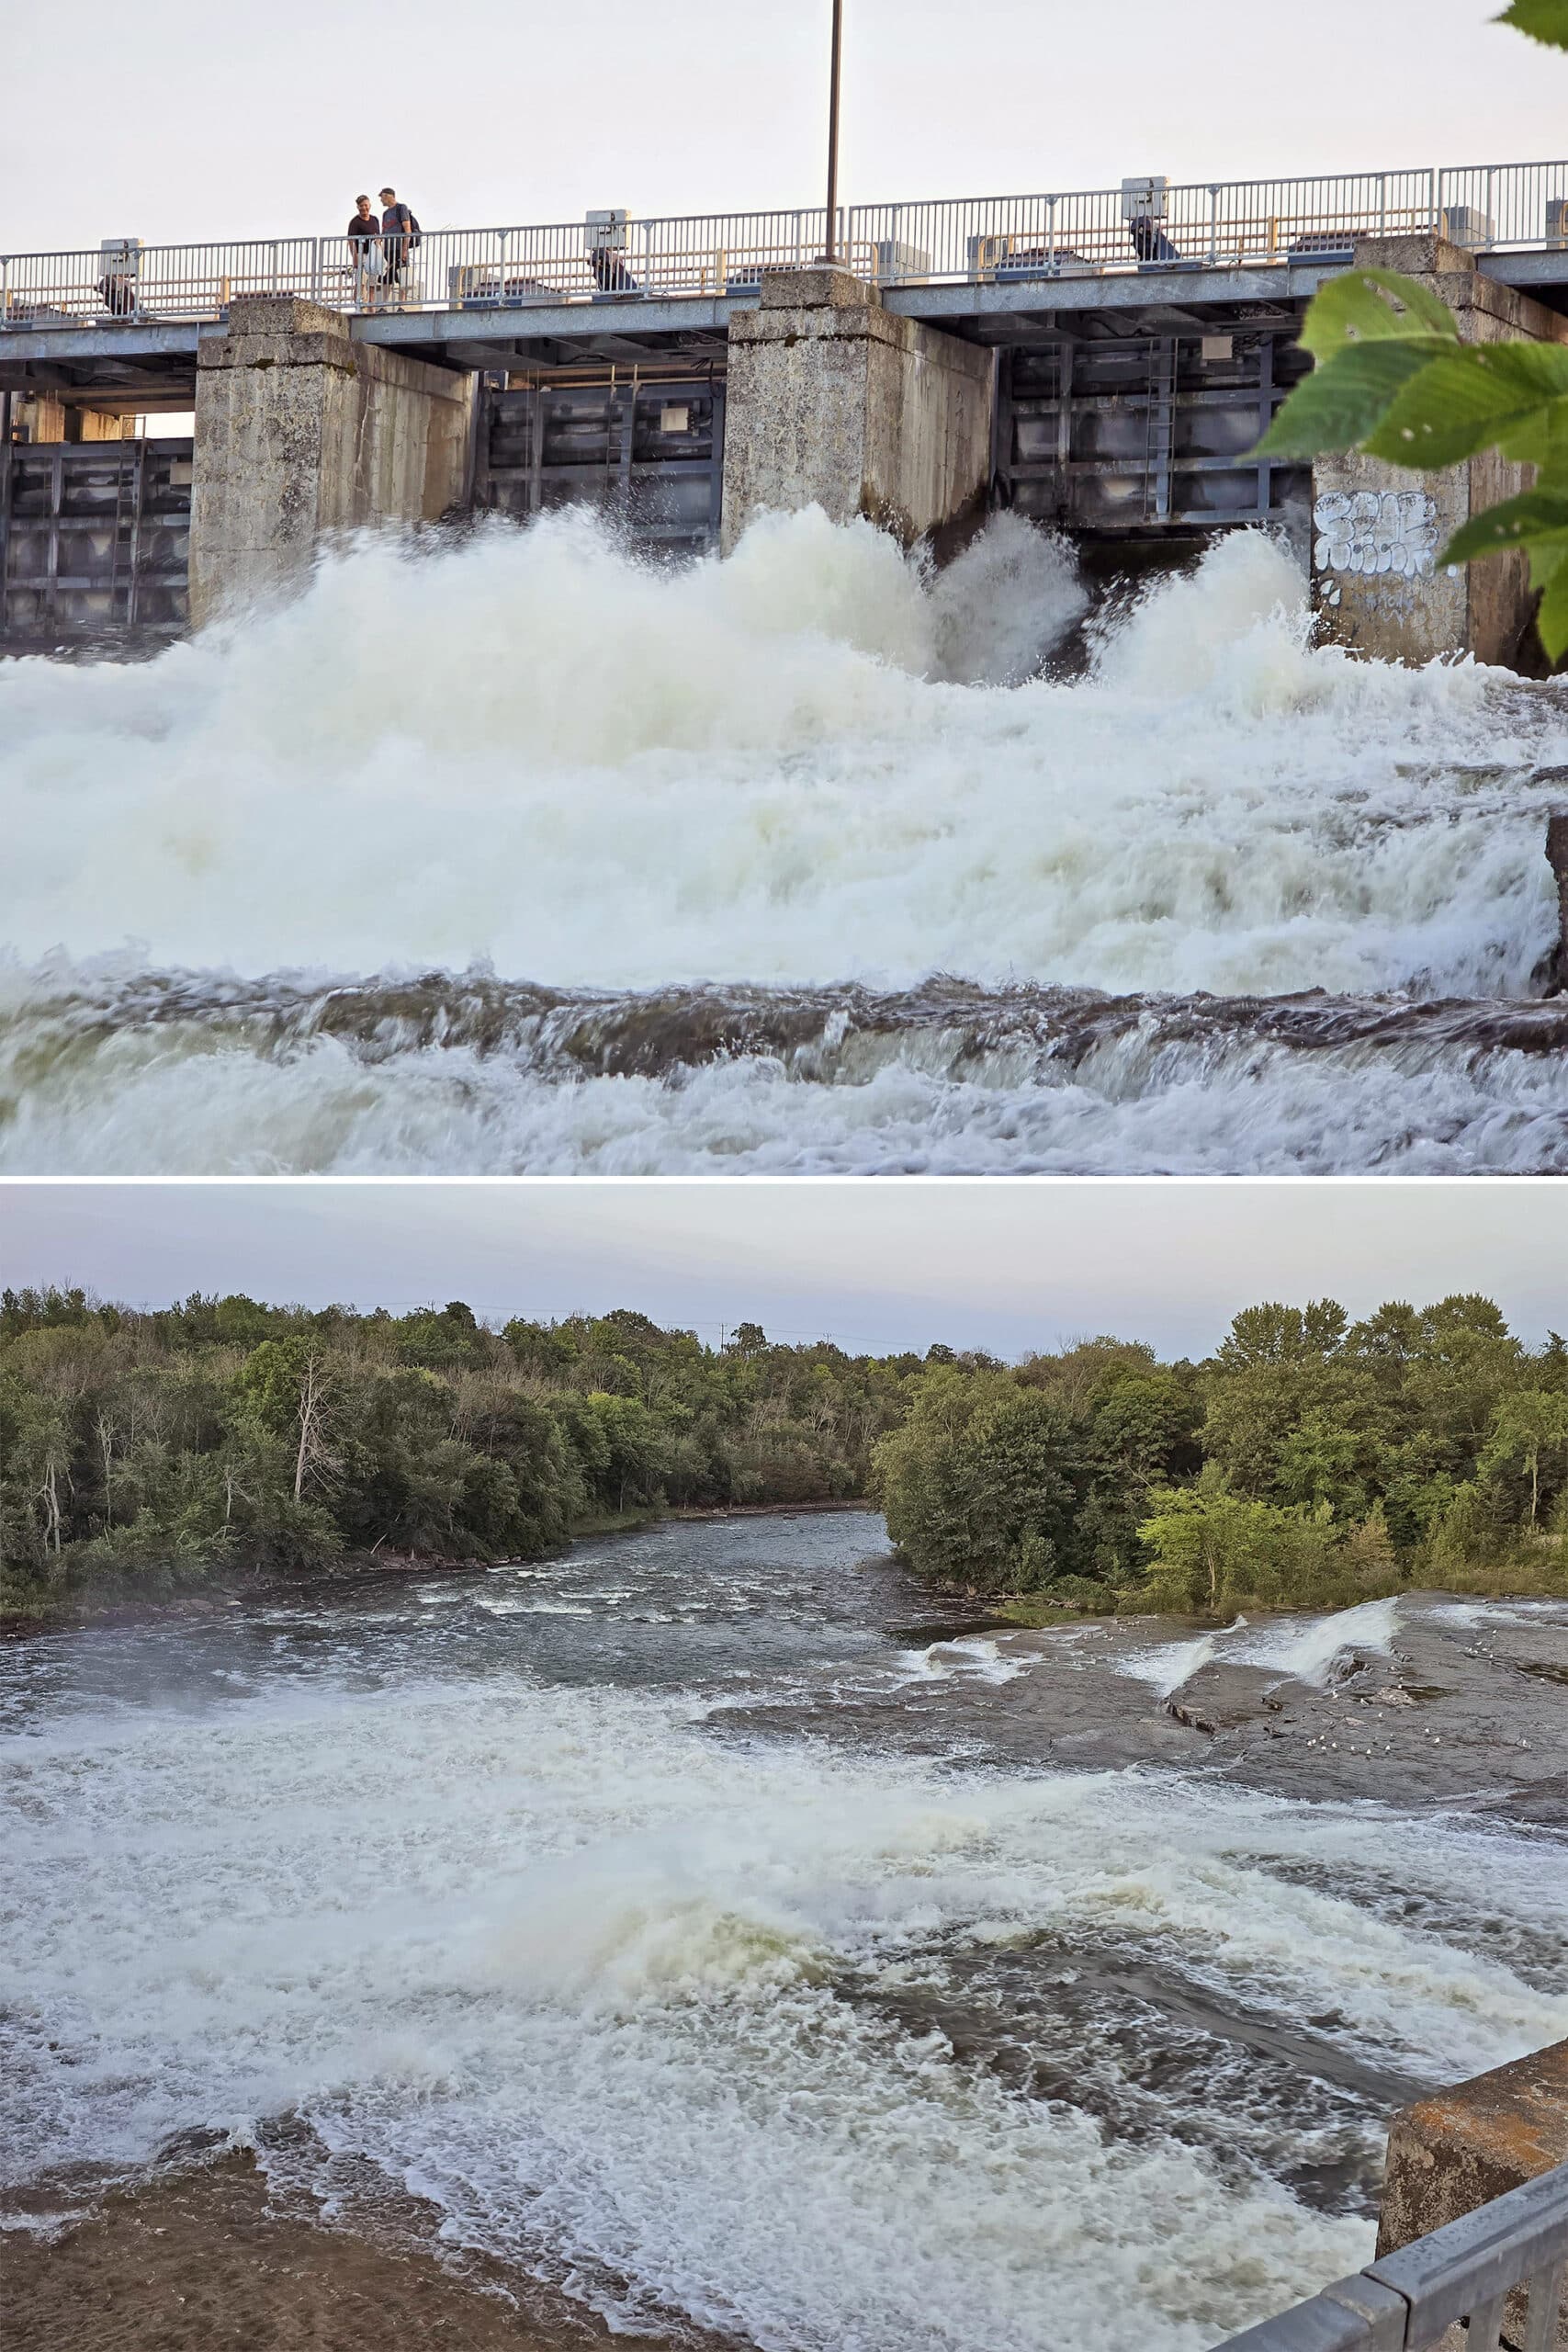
(1105, 364)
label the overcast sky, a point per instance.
(171, 121)
(1007, 1266)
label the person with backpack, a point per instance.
(399, 237)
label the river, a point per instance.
(713, 1928)
(525, 857)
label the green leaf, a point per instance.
(1498, 392)
(1535, 517)
(1544, 20)
(1358, 307)
(1552, 619)
(1343, 400)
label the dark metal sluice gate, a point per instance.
(646, 446)
(1145, 435)
(93, 542)
(1118, 439)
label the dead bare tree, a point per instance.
(313, 1457)
(105, 1432)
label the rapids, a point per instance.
(881, 870)
(693, 1929)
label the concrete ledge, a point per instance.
(1450, 2155)
(1455, 275)
(276, 350)
(860, 322)
(290, 314)
(824, 288)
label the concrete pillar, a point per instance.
(1450, 2155)
(43, 417)
(1378, 529)
(833, 400)
(302, 434)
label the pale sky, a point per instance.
(878, 1267)
(176, 122)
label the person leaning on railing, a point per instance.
(365, 251)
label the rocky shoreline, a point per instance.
(214, 2256)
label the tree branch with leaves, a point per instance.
(1392, 379)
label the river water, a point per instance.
(701, 1925)
(525, 857)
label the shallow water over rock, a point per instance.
(713, 1928)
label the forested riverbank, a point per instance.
(1311, 1460)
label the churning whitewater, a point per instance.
(690, 1931)
(526, 855)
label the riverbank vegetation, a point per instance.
(222, 1438)
(1311, 1459)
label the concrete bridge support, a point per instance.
(1450, 2155)
(303, 432)
(1378, 529)
(835, 401)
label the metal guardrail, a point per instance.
(1216, 225)
(1502, 2264)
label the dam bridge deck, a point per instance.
(123, 324)
(1145, 336)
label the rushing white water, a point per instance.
(536, 751)
(975, 1654)
(1171, 1664)
(806, 766)
(1308, 1652)
(518, 1908)
(1303, 1649)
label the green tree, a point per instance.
(1530, 1424)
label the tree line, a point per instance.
(1311, 1458)
(224, 1436)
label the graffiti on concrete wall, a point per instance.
(1375, 534)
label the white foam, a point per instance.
(572, 1967)
(977, 1656)
(537, 751)
(161, 1102)
(1166, 1667)
(1301, 1648)
(1306, 1651)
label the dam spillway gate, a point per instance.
(1146, 434)
(645, 444)
(93, 543)
(1121, 438)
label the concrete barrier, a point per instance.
(1450, 2155)
(836, 402)
(303, 432)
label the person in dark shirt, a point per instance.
(364, 249)
(1150, 242)
(396, 231)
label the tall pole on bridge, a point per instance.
(831, 254)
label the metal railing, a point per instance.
(1214, 225)
(1502, 2266)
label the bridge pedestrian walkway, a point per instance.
(1143, 228)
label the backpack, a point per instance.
(413, 232)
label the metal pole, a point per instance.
(834, 132)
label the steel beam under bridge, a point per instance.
(687, 325)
